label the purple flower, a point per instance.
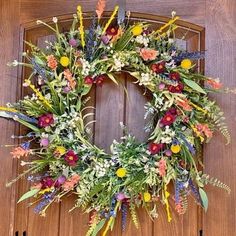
(168, 153)
(105, 39)
(60, 180)
(44, 142)
(66, 89)
(161, 86)
(120, 196)
(73, 42)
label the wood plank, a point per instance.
(109, 114)
(220, 161)
(9, 34)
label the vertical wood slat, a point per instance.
(9, 46)
(220, 161)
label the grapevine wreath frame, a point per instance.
(181, 117)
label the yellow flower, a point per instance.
(64, 61)
(121, 172)
(137, 30)
(186, 64)
(175, 148)
(59, 151)
(147, 197)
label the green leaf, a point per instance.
(86, 90)
(111, 76)
(39, 61)
(194, 86)
(28, 194)
(204, 198)
(99, 227)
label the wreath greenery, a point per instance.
(180, 118)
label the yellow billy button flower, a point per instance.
(146, 197)
(137, 30)
(65, 61)
(121, 172)
(60, 151)
(175, 148)
(186, 64)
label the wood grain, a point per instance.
(219, 18)
(9, 43)
(220, 160)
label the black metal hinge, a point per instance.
(200, 232)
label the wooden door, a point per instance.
(113, 107)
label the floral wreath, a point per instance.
(180, 117)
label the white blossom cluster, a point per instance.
(85, 67)
(102, 167)
(141, 39)
(145, 79)
(167, 135)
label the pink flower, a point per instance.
(51, 62)
(70, 183)
(71, 158)
(71, 82)
(204, 129)
(20, 152)
(184, 104)
(154, 148)
(148, 54)
(161, 167)
(215, 84)
(73, 42)
(100, 79)
(45, 120)
(44, 142)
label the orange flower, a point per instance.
(214, 83)
(148, 54)
(71, 182)
(71, 81)
(204, 129)
(20, 152)
(52, 62)
(184, 104)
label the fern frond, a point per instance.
(206, 179)
(183, 200)
(134, 215)
(218, 119)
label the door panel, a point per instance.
(219, 18)
(112, 106)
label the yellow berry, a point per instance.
(121, 172)
(147, 197)
(186, 64)
(65, 61)
(175, 148)
(137, 30)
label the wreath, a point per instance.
(58, 152)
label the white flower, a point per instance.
(173, 13)
(54, 19)
(142, 40)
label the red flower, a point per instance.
(174, 76)
(172, 111)
(100, 79)
(154, 148)
(176, 89)
(88, 80)
(47, 182)
(71, 158)
(112, 30)
(45, 120)
(159, 67)
(168, 119)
